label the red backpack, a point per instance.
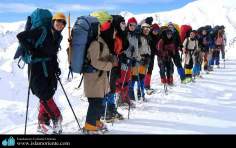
(184, 32)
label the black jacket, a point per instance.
(42, 86)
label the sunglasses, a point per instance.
(134, 25)
(61, 21)
(146, 28)
(156, 30)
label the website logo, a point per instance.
(8, 142)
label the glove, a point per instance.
(149, 20)
(58, 72)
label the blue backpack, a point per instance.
(40, 18)
(84, 32)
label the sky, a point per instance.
(18, 10)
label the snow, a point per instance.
(205, 107)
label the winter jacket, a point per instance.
(204, 43)
(133, 50)
(192, 45)
(191, 50)
(96, 85)
(144, 49)
(166, 49)
(153, 42)
(42, 86)
(177, 40)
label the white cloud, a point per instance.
(138, 2)
(25, 8)
(16, 7)
(78, 7)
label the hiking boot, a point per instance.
(184, 81)
(144, 99)
(163, 80)
(91, 130)
(118, 116)
(170, 81)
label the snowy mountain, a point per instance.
(187, 109)
(197, 14)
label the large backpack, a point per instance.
(184, 32)
(84, 32)
(40, 18)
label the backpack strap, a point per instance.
(101, 47)
(187, 44)
(45, 69)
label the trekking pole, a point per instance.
(27, 105)
(69, 49)
(69, 102)
(224, 57)
(80, 83)
(129, 103)
(165, 89)
(139, 83)
(106, 99)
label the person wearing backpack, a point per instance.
(120, 43)
(190, 49)
(96, 84)
(219, 45)
(166, 48)
(176, 57)
(154, 39)
(43, 75)
(204, 45)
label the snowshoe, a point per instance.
(45, 129)
(90, 132)
(150, 91)
(101, 126)
(57, 127)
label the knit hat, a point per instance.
(155, 27)
(132, 20)
(170, 24)
(102, 16)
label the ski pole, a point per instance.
(69, 49)
(165, 89)
(80, 83)
(27, 105)
(106, 98)
(69, 102)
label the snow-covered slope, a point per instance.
(187, 109)
(197, 14)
